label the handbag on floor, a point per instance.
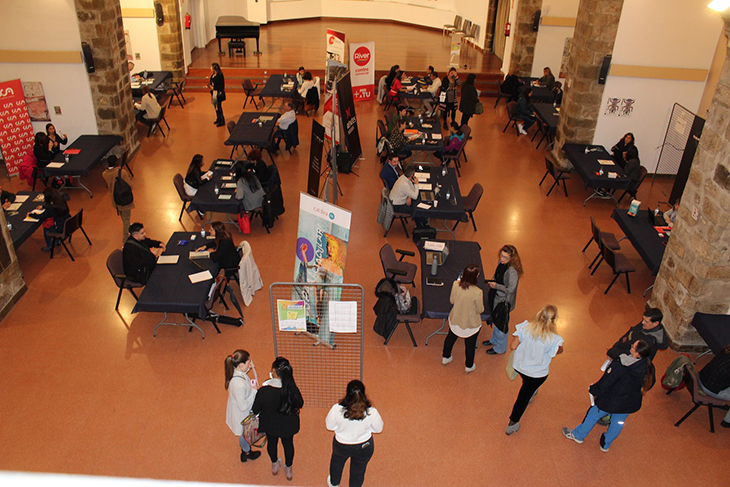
(244, 223)
(251, 432)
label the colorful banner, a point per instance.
(455, 50)
(16, 131)
(362, 68)
(321, 251)
(291, 315)
(336, 45)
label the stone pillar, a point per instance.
(489, 29)
(593, 39)
(12, 285)
(170, 37)
(523, 47)
(100, 25)
(695, 272)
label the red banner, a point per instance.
(16, 131)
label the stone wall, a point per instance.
(695, 272)
(170, 37)
(594, 37)
(523, 47)
(100, 26)
(489, 33)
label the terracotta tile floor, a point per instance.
(88, 390)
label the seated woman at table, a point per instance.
(547, 80)
(396, 86)
(57, 139)
(524, 112)
(225, 252)
(249, 189)
(43, 149)
(632, 165)
(147, 109)
(511, 86)
(557, 92)
(398, 140)
(391, 76)
(195, 176)
(52, 215)
(671, 216)
(621, 147)
(308, 81)
(453, 142)
(255, 162)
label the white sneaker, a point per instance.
(329, 482)
(470, 369)
(569, 435)
(521, 129)
(512, 428)
(445, 360)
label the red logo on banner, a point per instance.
(361, 56)
(16, 131)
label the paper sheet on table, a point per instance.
(168, 259)
(224, 163)
(55, 165)
(227, 178)
(15, 206)
(343, 316)
(436, 136)
(424, 187)
(431, 245)
(423, 206)
(225, 196)
(265, 118)
(423, 176)
(612, 175)
(200, 276)
(605, 162)
(229, 185)
(29, 219)
(20, 198)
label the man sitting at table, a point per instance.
(6, 198)
(140, 254)
(148, 108)
(404, 195)
(434, 88)
(288, 118)
(391, 170)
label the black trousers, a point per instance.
(449, 109)
(359, 456)
(529, 387)
(272, 448)
(465, 118)
(470, 346)
(219, 112)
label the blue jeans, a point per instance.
(499, 340)
(724, 395)
(244, 444)
(594, 414)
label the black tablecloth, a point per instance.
(452, 209)
(169, 289)
(587, 166)
(160, 81)
(548, 114)
(431, 145)
(436, 298)
(248, 132)
(540, 94)
(272, 89)
(206, 199)
(22, 230)
(714, 330)
(643, 236)
(419, 92)
(93, 149)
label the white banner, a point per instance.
(335, 45)
(362, 70)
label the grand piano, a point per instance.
(236, 27)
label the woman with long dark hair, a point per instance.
(391, 76)
(469, 99)
(504, 289)
(241, 394)
(536, 343)
(195, 177)
(464, 318)
(249, 189)
(354, 420)
(278, 403)
(225, 252)
(52, 214)
(619, 393)
(217, 87)
(57, 139)
(627, 142)
(43, 149)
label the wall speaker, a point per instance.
(159, 16)
(536, 21)
(605, 67)
(88, 57)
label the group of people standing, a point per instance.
(277, 403)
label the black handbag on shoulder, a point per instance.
(500, 316)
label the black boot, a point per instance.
(250, 455)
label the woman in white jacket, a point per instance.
(354, 421)
(241, 394)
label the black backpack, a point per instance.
(122, 191)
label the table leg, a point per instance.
(228, 216)
(164, 322)
(438, 332)
(597, 193)
(220, 51)
(79, 185)
(446, 229)
(258, 52)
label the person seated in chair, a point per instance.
(398, 140)
(300, 75)
(715, 380)
(401, 112)
(225, 252)
(622, 146)
(195, 177)
(147, 109)
(511, 86)
(255, 162)
(632, 166)
(396, 86)
(671, 216)
(43, 149)
(547, 80)
(139, 254)
(524, 112)
(53, 214)
(557, 92)
(391, 170)
(288, 118)
(453, 142)
(404, 195)
(308, 81)
(249, 189)
(434, 88)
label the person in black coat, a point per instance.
(278, 403)
(225, 252)
(622, 146)
(650, 330)
(139, 254)
(52, 215)
(43, 149)
(195, 176)
(619, 392)
(217, 87)
(511, 86)
(255, 163)
(469, 99)
(632, 166)
(57, 139)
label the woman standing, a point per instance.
(217, 87)
(504, 290)
(619, 393)
(195, 177)
(278, 403)
(354, 420)
(57, 139)
(464, 318)
(469, 99)
(241, 393)
(447, 97)
(52, 214)
(535, 345)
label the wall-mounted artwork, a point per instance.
(627, 106)
(619, 107)
(128, 43)
(35, 100)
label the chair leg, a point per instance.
(600, 261)
(709, 410)
(689, 413)
(543, 179)
(456, 225)
(473, 222)
(126, 164)
(614, 280)
(565, 188)
(408, 327)
(557, 181)
(403, 222)
(499, 97)
(84, 232)
(135, 296)
(119, 296)
(622, 197)
(390, 334)
(505, 127)
(246, 100)
(589, 242)
(182, 210)
(628, 286)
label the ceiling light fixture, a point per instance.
(719, 5)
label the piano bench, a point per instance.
(236, 46)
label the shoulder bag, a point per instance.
(500, 316)
(251, 432)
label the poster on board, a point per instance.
(346, 105)
(362, 68)
(336, 45)
(16, 131)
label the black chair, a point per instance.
(634, 189)
(557, 173)
(236, 46)
(312, 99)
(501, 94)
(230, 126)
(512, 118)
(252, 91)
(290, 136)
(601, 238)
(175, 91)
(155, 122)
(69, 227)
(178, 181)
(470, 203)
(403, 217)
(691, 380)
(414, 316)
(115, 265)
(395, 268)
(38, 174)
(383, 131)
(619, 264)
(179, 89)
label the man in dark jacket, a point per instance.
(140, 254)
(650, 330)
